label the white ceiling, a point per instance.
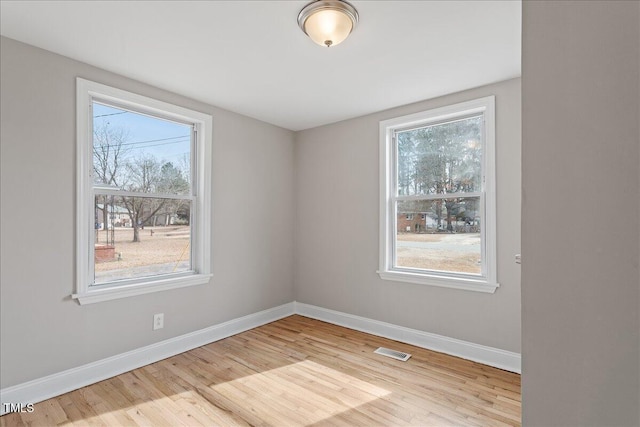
(250, 56)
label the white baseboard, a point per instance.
(498, 358)
(63, 382)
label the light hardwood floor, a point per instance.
(293, 372)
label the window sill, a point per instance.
(467, 284)
(115, 292)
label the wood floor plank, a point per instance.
(295, 372)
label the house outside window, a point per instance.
(144, 194)
(437, 197)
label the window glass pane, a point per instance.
(141, 237)
(136, 152)
(441, 235)
(443, 158)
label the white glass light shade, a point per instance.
(328, 22)
(328, 27)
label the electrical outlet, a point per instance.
(158, 321)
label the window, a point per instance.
(439, 164)
(143, 194)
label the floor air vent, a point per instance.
(393, 354)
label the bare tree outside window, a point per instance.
(144, 194)
(142, 181)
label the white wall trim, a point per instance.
(491, 356)
(63, 382)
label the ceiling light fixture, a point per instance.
(328, 22)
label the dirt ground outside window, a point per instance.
(451, 252)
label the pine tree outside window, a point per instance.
(438, 218)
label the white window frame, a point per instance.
(485, 282)
(201, 273)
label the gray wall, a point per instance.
(336, 238)
(580, 223)
(43, 331)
